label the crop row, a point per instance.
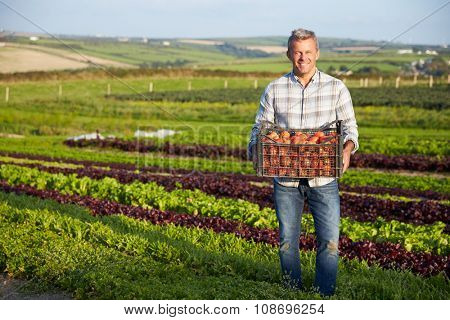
(358, 207)
(421, 97)
(406, 162)
(427, 238)
(359, 160)
(405, 145)
(94, 260)
(198, 263)
(385, 254)
(352, 181)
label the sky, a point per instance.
(366, 20)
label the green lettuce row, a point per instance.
(116, 257)
(52, 254)
(392, 180)
(354, 176)
(51, 146)
(12, 160)
(395, 146)
(429, 238)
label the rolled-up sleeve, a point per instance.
(265, 113)
(346, 113)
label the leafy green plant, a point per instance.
(196, 202)
(116, 257)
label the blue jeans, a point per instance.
(324, 205)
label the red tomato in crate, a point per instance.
(298, 140)
(313, 140)
(278, 140)
(319, 134)
(283, 150)
(285, 162)
(294, 151)
(293, 173)
(315, 163)
(325, 172)
(285, 135)
(275, 162)
(283, 172)
(325, 139)
(272, 135)
(323, 152)
(324, 163)
(328, 150)
(306, 163)
(292, 139)
(273, 150)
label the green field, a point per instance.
(113, 256)
(34, 109)
(384, 63)
(218, 57)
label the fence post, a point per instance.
(380, 81)
(189, 86)
(59, 91)
(225, 84)
(397, 82)
(255, 84)
(415, 79)
(431, 81)
(108, 89)
(361, 82)
(150, 87)
(366, 82)
(7, 95)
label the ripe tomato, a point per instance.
(319, 134)
(285, 135)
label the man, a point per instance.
(307, 98)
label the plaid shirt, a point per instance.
(288, 104)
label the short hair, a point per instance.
(302, 34)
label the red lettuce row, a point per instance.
(359, 160)
(358, 207)
(234, 178)
(428, 194)
(406, 162)
(196, 150)
(387, 255)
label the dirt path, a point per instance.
(18, 289)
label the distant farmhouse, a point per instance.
(405, 51)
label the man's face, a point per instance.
(303, 55)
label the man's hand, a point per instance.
(348, 147)
(252, 155)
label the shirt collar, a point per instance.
(314, 79)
